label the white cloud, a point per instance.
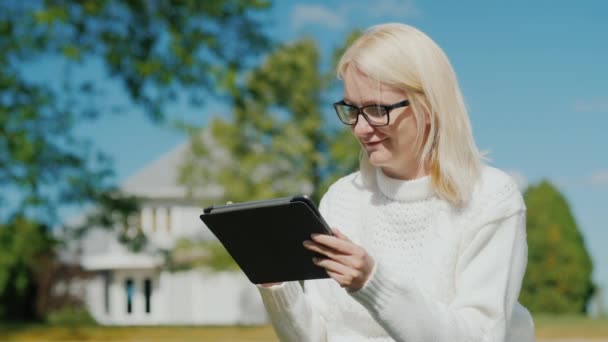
(520, 179)
(384, 8)
(598, 178)
(302, 15)
(591, 106)
(337, 18)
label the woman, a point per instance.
(430, 243)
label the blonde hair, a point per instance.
(401, 56)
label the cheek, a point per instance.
(404, 137)
(401, 132)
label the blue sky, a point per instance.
(534, 75)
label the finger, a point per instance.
(331, 265)
(353, 262)
(344, 281)
(326, 251)
(334, 242)
(339, 278)
(357, 259)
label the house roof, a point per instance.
(160, 179)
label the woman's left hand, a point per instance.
(347, 263)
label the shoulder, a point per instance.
(494, 180)
(345, 189)
(351, 182)
(496, 195)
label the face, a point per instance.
(391, 147)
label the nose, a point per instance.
(362, 127)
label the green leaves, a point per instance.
(51, 14)
(278, 141)
(23, 244)
(558, 277)
(72, 52)
(158, 51)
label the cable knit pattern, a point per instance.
(441, 273)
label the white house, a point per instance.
(135, 289)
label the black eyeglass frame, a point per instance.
(360, 111)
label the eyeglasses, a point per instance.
(375, 114)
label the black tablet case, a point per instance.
(265, 237)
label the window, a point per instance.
(129, 291)
(148, 293)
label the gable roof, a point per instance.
(160, 179)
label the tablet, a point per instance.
(265, 237)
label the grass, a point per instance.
(547, 328)
(563, 327)
(23, 332)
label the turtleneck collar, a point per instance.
(404, 190)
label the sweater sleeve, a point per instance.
(293, 317)
(488, 277)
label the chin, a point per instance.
(377, 158)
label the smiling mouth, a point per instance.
(372, 143)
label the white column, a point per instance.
(161, 219)
(176, 221)
(146, 220)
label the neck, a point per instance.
(407, 173)
(404, 190)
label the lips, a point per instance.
(372, 143)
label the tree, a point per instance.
(29, 267)
(279, 141)
(23, 245)
(283, 137)
(155, 49)
(159, 51)
(558, 277)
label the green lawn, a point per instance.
(164, 333)
(547, 327)
(571, 327)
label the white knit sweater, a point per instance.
(441, 274)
